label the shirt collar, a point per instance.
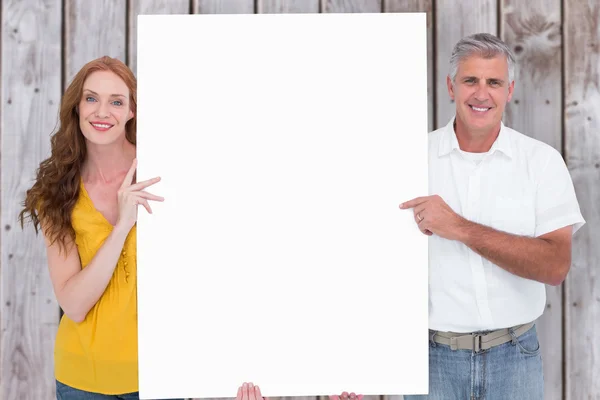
(449, 141)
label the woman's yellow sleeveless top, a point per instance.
(100, 354)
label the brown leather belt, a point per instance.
(479, 341)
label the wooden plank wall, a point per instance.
(43, 43)
(533, 30)
(30, 94)
(582, 151)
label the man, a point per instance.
(500, 216)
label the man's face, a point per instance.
(481, 91)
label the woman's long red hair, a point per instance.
(50, 201)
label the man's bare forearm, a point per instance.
(532, 258)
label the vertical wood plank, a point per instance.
(533, 30)
(93, 29)
(31, 89)
(455, 20)
(137, 7)
(353, 6)
(287, 6)
(425, 6)
(582, 145)
(223, 7)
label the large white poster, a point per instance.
(285, 144)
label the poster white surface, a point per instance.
(285, 144)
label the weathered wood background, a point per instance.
(557, 99)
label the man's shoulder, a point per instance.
(530, 148)
(434, 137)
(438, 132)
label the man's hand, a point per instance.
(545, 259)
(433, 215)
(346, 396)
(249, 392)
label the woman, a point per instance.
(85, 201)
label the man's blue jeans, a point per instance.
(512, 371)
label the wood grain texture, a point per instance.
(455, 20)
(425, 6)
(140, 7)
(582, 148)
(287, 6)
(31, 89)
(533, 31)
(93, 29)
(223, 7)
(353, 6)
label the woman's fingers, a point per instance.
(136, 200)
(148, 196)
(239, 394)
(144, 203)
(144, 184)
(129, 177)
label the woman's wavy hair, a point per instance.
(50, 201)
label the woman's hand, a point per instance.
(249, 392)
(130, 195)
(346, 396)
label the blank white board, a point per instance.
(285, 144)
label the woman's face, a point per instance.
(104, 108)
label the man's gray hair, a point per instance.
(484, 45)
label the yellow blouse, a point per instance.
(100, 353)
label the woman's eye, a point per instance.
(117, 103)
(90, 99)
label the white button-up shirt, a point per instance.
(521, 186)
